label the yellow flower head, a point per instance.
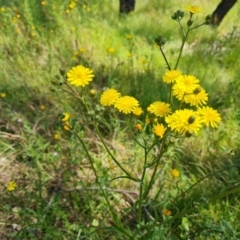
(111, 50)
(93, 92)
(66, 117)
(11, 186)
(56, 136)
(42, 107)
(138, 126)
(175, 173)
(43, 3)
(171, 76)
(185, 84)
(197, 98)
(3, 95)
(184, 121)
(138, 111)
(66, 126)
(160, 109)
(209, 116)
(159, 130)
(109, 97)
(80, 76)
(126, 104)
(193, 9)
(128, 36)
(72, 5)
(166, 212)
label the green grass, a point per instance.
(57, 195)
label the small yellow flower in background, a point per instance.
(185, 84)
(80, 76)
(138, 126)
(93, 92)
(84, 6)
(18, 16)
(138, 111)
(88, 9)
(66, 126)
(147, 120)
(11, 186)
(72, 5)
(32, 27)
(111, 50)
(109, 97)
(33, 34)
(126, 104)
(14, 20)
(166, 212)
(197, 98)
(209, 116)
(159, 130)
(66, 117)
(129, 55)
(73, 29)
(67, 11)
(183, 121)
(82, 50)
(56, 136)
(171, 76)
(128, 36)
(160, 109)
(175, 173)
(42, 107)
(193, 9)
(3, 95)
(3, 9)
(43, 3)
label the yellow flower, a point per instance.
(138, 111)
(42, 107)
(3, 9)
(82, 50)
(209, 116)
(129, 55)
(3, 95)
(43, 3)
(56, 136)
(80, 76)
(67, 11)
(126, 104)
(184, 121)
(175, 173)
(111, 50)
(159, 130)
(138, 126)
(72, 5)
(185, 84)
(160, 109)
(66, 117)
(93, 92)
(11, 186)
(167, 212)
(128, 36)
(147, 120)
(109, 97)
(193, 9)
(197, 98)
(171, 76)
(18, 16)
(66, 126)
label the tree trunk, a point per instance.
(221, 10)
(126, 6)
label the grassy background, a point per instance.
(36, 41)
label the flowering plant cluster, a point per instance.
(184, 114)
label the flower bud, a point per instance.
(160, 41)
(52, 89)
(62, 72)
(191, 119)
(189, 22)
(208, 19)
(189, 133)
(197, 90)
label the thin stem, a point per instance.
(165, 58)
(142, 185)
(111, 155)
(151, 182)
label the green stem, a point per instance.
(151, 182)
(142, 185)
(111, 155)
(165, 58)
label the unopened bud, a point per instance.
(197, 90)
(189, 22)
(208, 19)
(191, 119)
(62, 72)
(52, 89)
(189, 133)
(160, 41)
